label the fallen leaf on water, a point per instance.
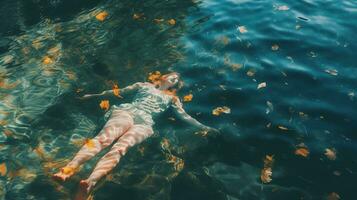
(283, 8)
(102, 16)
(67, 170)
(266, 174)
(330, 153)
(302, 150)
(116, 90)
(137, 16)
(333, 196)
(219, 110)
(242, 29)
(251, 72)
(7, 132)
(158, 21)
(104, 104)
(283, 128)
(89, 143)
(269, 160)
(171, 22)
(262, 85)
(187, 98)
(333, 72)
(275, 47)
(47, 60)
(3, 169)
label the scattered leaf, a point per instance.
(333, 196)
(158, 21)
(102, 16)
(283, 128)
(137, 16)
(266, 174)
(302, 151)
(251, 72)
(116, 90)
(333, 72)
(330, 153)
(219, 110)
(171, 22)
(242, 29)
(104, 104)
(187, 98)
(262, 85)
(3, 169)
(275, 47)
(68, 170)
(165, 144)
(47, 60)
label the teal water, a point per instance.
(303, 50)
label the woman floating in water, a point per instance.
(129, 124)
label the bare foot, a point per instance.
(85, 187)
(64, 173)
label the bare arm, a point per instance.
(129, 88)
(177, 105)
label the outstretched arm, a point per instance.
(129, 88)
(177, 105)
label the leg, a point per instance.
(118, 123)
(135, 135)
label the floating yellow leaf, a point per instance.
(116, 90)
(219, 110)
(330, 154)
(242, 29)
(3, 169)
(262, 85)
(236, 66)
(68, 170)
(7, 132)
(104, 104)
(187, 98)
(302, 151)
(47, 60)
(102, 16)
(171, 22)
(275, 47)
(89, 143)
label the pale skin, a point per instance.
(121, 130)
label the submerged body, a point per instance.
(128, 124)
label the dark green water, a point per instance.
(305, 52)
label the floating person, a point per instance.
(128, 124)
